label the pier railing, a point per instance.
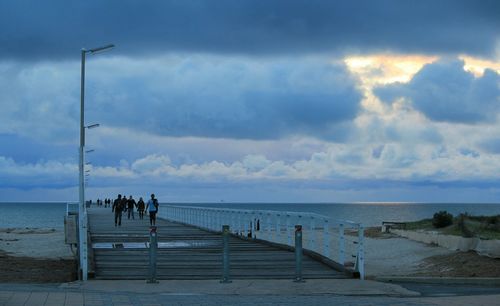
(339, 240)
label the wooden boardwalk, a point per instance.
(185, 252)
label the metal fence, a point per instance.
(339, 240)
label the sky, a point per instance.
(252, 101)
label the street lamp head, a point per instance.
(90, 151)
(92, 126)
(100, 49)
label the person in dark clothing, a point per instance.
(118, 209)
(153, 209)
(124, 203)
(140, 208)
(130, 207)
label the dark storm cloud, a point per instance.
(444, 91)
(54, 29)
(205, 96)
(230, 98)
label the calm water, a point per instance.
(51, 215)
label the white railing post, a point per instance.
(326, 239)
(207, 212)
(238, 223)
(262, 225)
(278, 228)
(220, 218)
(312, 240)
(269, 226)
(233, 222)
(245, 224)
(341, 244)
(360, 257)
(288, 229)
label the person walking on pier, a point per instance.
(124, 203)
(153, 209)
(130, 207)
(140, 208)
(117, 209)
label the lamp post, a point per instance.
(82, 215)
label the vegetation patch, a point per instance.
(465, 225)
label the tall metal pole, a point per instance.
(82, 220)
(82, 215)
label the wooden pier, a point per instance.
(185, 252)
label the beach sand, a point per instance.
(390, 255)
(35, 255)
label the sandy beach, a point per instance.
(35, 255)
(391, 255)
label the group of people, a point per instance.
(122, 205)
(99, 202)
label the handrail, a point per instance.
(278, 227)
(300, 214)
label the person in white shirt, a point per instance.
(152, 208)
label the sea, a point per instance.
(51, 215)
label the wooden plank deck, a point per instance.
(186, 252)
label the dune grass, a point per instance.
(484, 227)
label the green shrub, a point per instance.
(462, 226)
(493, 220)
(442, 219)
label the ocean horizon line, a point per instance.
(276, 203)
